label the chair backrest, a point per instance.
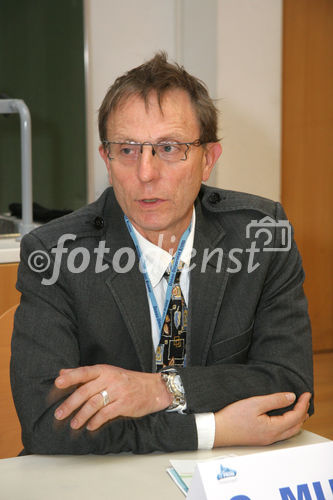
(10, 430)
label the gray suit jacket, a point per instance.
(248, 332)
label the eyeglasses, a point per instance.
(128, 152)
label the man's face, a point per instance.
(158, 196)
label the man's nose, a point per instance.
(148, 168)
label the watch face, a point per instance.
(178, 384)
(175, 387)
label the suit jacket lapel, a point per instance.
(128, 288)
(207, 286)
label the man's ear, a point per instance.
(212, 152)
(105, 157)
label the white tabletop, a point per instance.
(9, 251)
(124, 476)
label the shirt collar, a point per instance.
(157, 260)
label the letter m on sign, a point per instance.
(303, 493)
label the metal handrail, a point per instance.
(10, 106)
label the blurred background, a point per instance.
(269, 65)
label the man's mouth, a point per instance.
(151, 202)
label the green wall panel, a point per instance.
(42, 62)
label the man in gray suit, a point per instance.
(109, 354)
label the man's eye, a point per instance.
(126, 151)
(170, 148)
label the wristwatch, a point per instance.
(175, 386)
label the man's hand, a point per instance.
(246, 422)
(131, 394)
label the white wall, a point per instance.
(120, 35)
(233, 45)
(249, 84)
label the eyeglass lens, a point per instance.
(130, 152)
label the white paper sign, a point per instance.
(300, 473)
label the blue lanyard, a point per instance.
(159, 318)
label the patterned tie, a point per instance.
(171, 349)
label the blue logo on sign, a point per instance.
(226, 472)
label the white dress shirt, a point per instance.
(157, 261)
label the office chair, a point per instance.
(10, 430)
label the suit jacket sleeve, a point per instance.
(44, 341)
(276, 352)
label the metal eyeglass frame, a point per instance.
(197, 142)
